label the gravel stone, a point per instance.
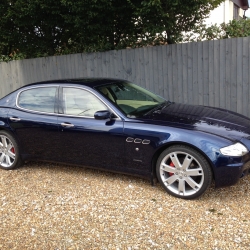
(49, 206)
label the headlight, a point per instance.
(236, 149)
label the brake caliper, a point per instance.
(171, 165)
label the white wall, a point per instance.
(223, 13)
(248, 13)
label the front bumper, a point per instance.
(230, 169)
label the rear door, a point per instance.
(34, 122)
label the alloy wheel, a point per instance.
(7, 152)
(181, 173)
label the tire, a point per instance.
(9, 152)
(183, 172)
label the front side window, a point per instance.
(79, 102)
(38, 99)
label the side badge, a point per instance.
(137, 140)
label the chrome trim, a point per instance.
(64, 115)
(137, 160)
(57, 114)
(89, 117)
(137, 140)
(129, 139)
(15, 119)
(69, 125)
(145, 141)
(30, 110)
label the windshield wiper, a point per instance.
(158, 108)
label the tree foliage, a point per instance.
(240, 28)
(235, 28)
(34, 28)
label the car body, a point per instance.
(115, 125)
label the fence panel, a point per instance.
(214, 73)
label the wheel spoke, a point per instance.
(11, 155)
(8, 160)
(175, 160)
(194, 172)
(192, 183)
(2, 157)
(187, 161)
(4, 141)
(181, 187)
(167, 168)
(9, 146)
(171, 179)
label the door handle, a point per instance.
(68, 125)
(15, 119)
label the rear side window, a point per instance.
(38, 99)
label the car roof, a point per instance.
(90, 82)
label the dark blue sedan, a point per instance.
(118, 126)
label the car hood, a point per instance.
(207, 119)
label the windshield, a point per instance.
(131, 99)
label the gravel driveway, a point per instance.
(47, 206)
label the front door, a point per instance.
(85, 140)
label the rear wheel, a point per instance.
(9, 152)
(183, 172)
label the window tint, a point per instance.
(131, 99)
(38, 99)
(127, 91)
(80, 102)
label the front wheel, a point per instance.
(9, 152)
(183, 172)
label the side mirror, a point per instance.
(102, 115)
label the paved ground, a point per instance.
(46, 206)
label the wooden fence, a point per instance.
(214, 73)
